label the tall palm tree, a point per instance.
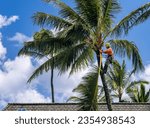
(84, 30)
(138, 94)
(119, 80)
(40, 37)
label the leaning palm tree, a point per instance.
(40, 37)
(119, 80)
(83, 31)
(138, 94)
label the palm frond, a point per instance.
(83, 60)
(129, 49)
(89, 10)
(135, 83)
(139, 94)
(76, 32)
(66, 11)
(74, 99)
(109, 7)
(134, 18)
(88, 90)
(63, 60)
(42, 19)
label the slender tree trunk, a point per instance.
(120, 99)
(107, 96)
(52, 85)
(120, 95)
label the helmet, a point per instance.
(107, 45)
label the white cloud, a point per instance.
(145, 75)
(5, 21)
(20, 38)
(30, 96)
(15, 72)
(23, 96)
(13, 87)
(3, 50)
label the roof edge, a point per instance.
(74, 104)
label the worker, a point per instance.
(109, 59)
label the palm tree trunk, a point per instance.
(120, 95)
(107, 96)
(52, 85)
(120, 99)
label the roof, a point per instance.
(74, 107)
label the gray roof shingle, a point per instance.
(74, 107)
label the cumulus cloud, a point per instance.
(31, 96)
(20, 38)
(5, 21)
(3, 50)
(15, 72)
(23, 96)
(13, 82)
(145, 75)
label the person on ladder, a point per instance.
(109, 59)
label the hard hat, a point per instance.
(107, 45)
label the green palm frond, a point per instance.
(35, 54)
(64, 60)
(46, 46)
(125, 47)
(134, 18)
(83, 60)
(51, 45)
(117, 75)
(110, 8)
(66, 11)
(119, 81)
(139, 94)
(68, 57)
(34, 50)
(88, 91)
(42, 19)
(74, 99)
(135, 83)
(76, 32)
(43, 42)
(89, 10)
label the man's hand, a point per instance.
(101, 51)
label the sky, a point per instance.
(16, 27)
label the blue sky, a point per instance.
(21, 29)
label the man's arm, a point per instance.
(107, 51)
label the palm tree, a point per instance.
(39, 37)
(88, 90)
(119, 80)
(83, 31)
(137, 94)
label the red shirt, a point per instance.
(108, 51)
